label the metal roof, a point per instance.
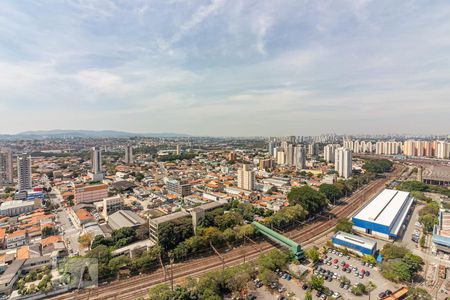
(355, 239)
(384, 208)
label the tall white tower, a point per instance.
(129, 154)
(343, 162)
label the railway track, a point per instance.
(138, 286)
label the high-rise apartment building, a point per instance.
(343, 162)
(6, 168)
(96, 165)
(178, 150)
(409, 148)
(232, 156)
(129, 154)
(271, 147)
(312, 149)
(246, 178)
(266, 164)
(300, 157)
(281, 157)
(290, 159)
(443, 149)
(96, 160)
(329, 152)
(24, 179)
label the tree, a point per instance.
(160, 292)
(308, 295)
(228, 220)
(100, 240)
(344, 225)
(116, 263)
(85, 240)
(148, 261)
(310, 199)
(101, 253)
(316, 282)
(416, 293)
(397, 271)
(139, 176)
(413, 185)
(432, 208)
(422, 241)
(287, 215)
(414, 262)
(173, 232)
(273, 259)
(391, 251)
(359, 289)
(142, 231)
(331, 191)
(49, 231)
(369, 259)
(313, 254)
(428, 222)
(377, 166)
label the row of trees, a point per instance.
(428, 216)
(108, 266)
(211, 235)
(171, 157)
(214, 285)
(377, 166)
(417, 186)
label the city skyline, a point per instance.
(218, 68)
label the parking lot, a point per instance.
(340, 266)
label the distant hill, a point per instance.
(58, 133)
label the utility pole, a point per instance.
(162, 266)
(171, 273)
(218, 254)
(254, 243)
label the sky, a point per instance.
(218, 67)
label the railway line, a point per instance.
(138, 286)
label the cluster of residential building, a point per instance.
(413, 148)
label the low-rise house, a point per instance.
(82, 217)
(16, 239)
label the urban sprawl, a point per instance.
(323, 217)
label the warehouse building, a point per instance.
(385, 215)
(124, 219)
(441, 232)
(354, 243)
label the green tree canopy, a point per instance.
(316, 282)
(331, 191)
(313, 254)
(344, 225)
(377, 166)
(310, 199)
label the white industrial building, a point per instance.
(385, 215)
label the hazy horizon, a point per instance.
(226, 68)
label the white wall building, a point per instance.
(343, 162)
(329, 153)
(246, 178)
(129, 154)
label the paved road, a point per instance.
(69, 230)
